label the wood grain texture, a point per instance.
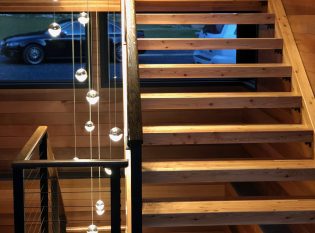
(227, 171)
(208, 44)
(223, 134)
(219, 100)
(214, 70)
(228, 212)
(209, 18)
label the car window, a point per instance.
(78, 29)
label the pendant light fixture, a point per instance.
(84, 18)
(89, 126)
(54, 28)
(92, 97)
(115, 133)
(81, 74)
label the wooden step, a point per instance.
(208, 43)
(151, 101)
(267, 70)
(205, 213)
(210, 18)
(200, 5)
(228, 171)
(226, 134)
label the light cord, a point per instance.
(74, 92)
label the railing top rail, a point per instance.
(130, 58)
(28, 164)
(27, 151)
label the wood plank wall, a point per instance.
(301, 16)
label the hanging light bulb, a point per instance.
(100, 205)
(89, 126)
(83, 18)
(108, 171)
(92, 97)
(81, 75)
(54, 29)
(115, 134)
(75, 158)
(92, 229)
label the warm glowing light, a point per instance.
(89, 126)
(92, 97)
(83, 18)
(115, 134)
(54, 29)
(108, 171)
(81, 75)
(92, 229)
(75, 158)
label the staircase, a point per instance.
(215, 135)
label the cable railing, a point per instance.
(132, 117)
(38, 195)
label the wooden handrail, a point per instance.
(34, 141)
(300, 82)
(134, 118)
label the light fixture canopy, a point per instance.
(89, 126)
(84, 18)
(81, 75)
(115, 134)
(92, 97)
(54, 29)
(92, 229)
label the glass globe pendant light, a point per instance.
(89, 126)
(92, 229)
(83, 18)
(108, 171)
(81, 75)
(92, 97)
(115, 134)
(100, 207)
(54, 29)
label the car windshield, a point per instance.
(77, 28)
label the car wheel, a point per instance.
(118, 52)
(33, 54)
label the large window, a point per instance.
(31, 57)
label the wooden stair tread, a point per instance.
(224, 128)
(262, 70)
(205, 18)
(206, 213)
(210, 18)
(228, 165)
(227, 171)
(226, 134)
(220, 100)
(208, 43)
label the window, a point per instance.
(30, 57)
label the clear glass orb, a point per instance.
(75, 158)
(100, 205)
(54, 29)
(92, 97)
(100, 212)
(83, 18)
(89, 126)
(81, 75)
(115, 134)
(92, 229)
(115, 77)
(108, 171)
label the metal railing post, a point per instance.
(18, 195)
(43, 186)
(115, 200)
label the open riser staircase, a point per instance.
(219, 134)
